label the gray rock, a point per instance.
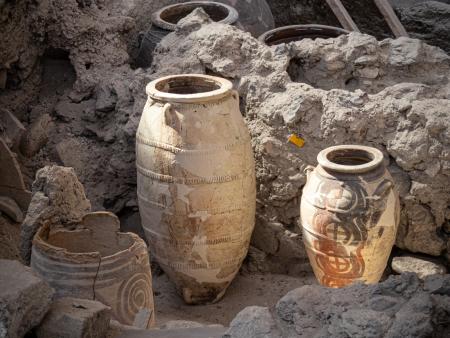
(429, 21)
(360, 323)
(398, 307)
(421, 267)
(414, 319)
(58, 198)
(24, 299)
(106, 99)
(437, 284)
(253, 322)
(75, 318)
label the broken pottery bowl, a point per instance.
(93, 260)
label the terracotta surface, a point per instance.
(95, 261)
(196, 183)
(350, 214)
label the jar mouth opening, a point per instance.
(83, 240)
(176, 13)
(292, 33)
(168, 17)
(183, 88)
(350, 158)
(187, 85)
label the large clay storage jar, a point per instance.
(196, 183)
(292, 33)
(164, 21)
(349, 215)
(96, 261)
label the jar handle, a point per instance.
(235, 94)
(308, 171)
(170, 117)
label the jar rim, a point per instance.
(157, 20)
(342, 158)
(292, 31)
(220, 88)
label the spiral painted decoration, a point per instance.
(133, 295)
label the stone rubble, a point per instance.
(398, 307)
(75, 318)
(58, 198)
(24, 299)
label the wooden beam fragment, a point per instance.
(392, 20)
(342, 15)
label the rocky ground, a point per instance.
(401, 306)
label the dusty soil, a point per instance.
(246, 290)
(9, 239)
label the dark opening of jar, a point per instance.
(174, 14)
(350, 156)
(187, 85)
(299, 32)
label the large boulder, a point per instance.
(24, 299)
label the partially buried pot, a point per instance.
(96, 261)
(164, 21)
(349, 215)
(293, 33)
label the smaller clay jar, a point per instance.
(293, 33)
(349, 214)
(95, 261)
(164, 21)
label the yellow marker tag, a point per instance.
(298, 141)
